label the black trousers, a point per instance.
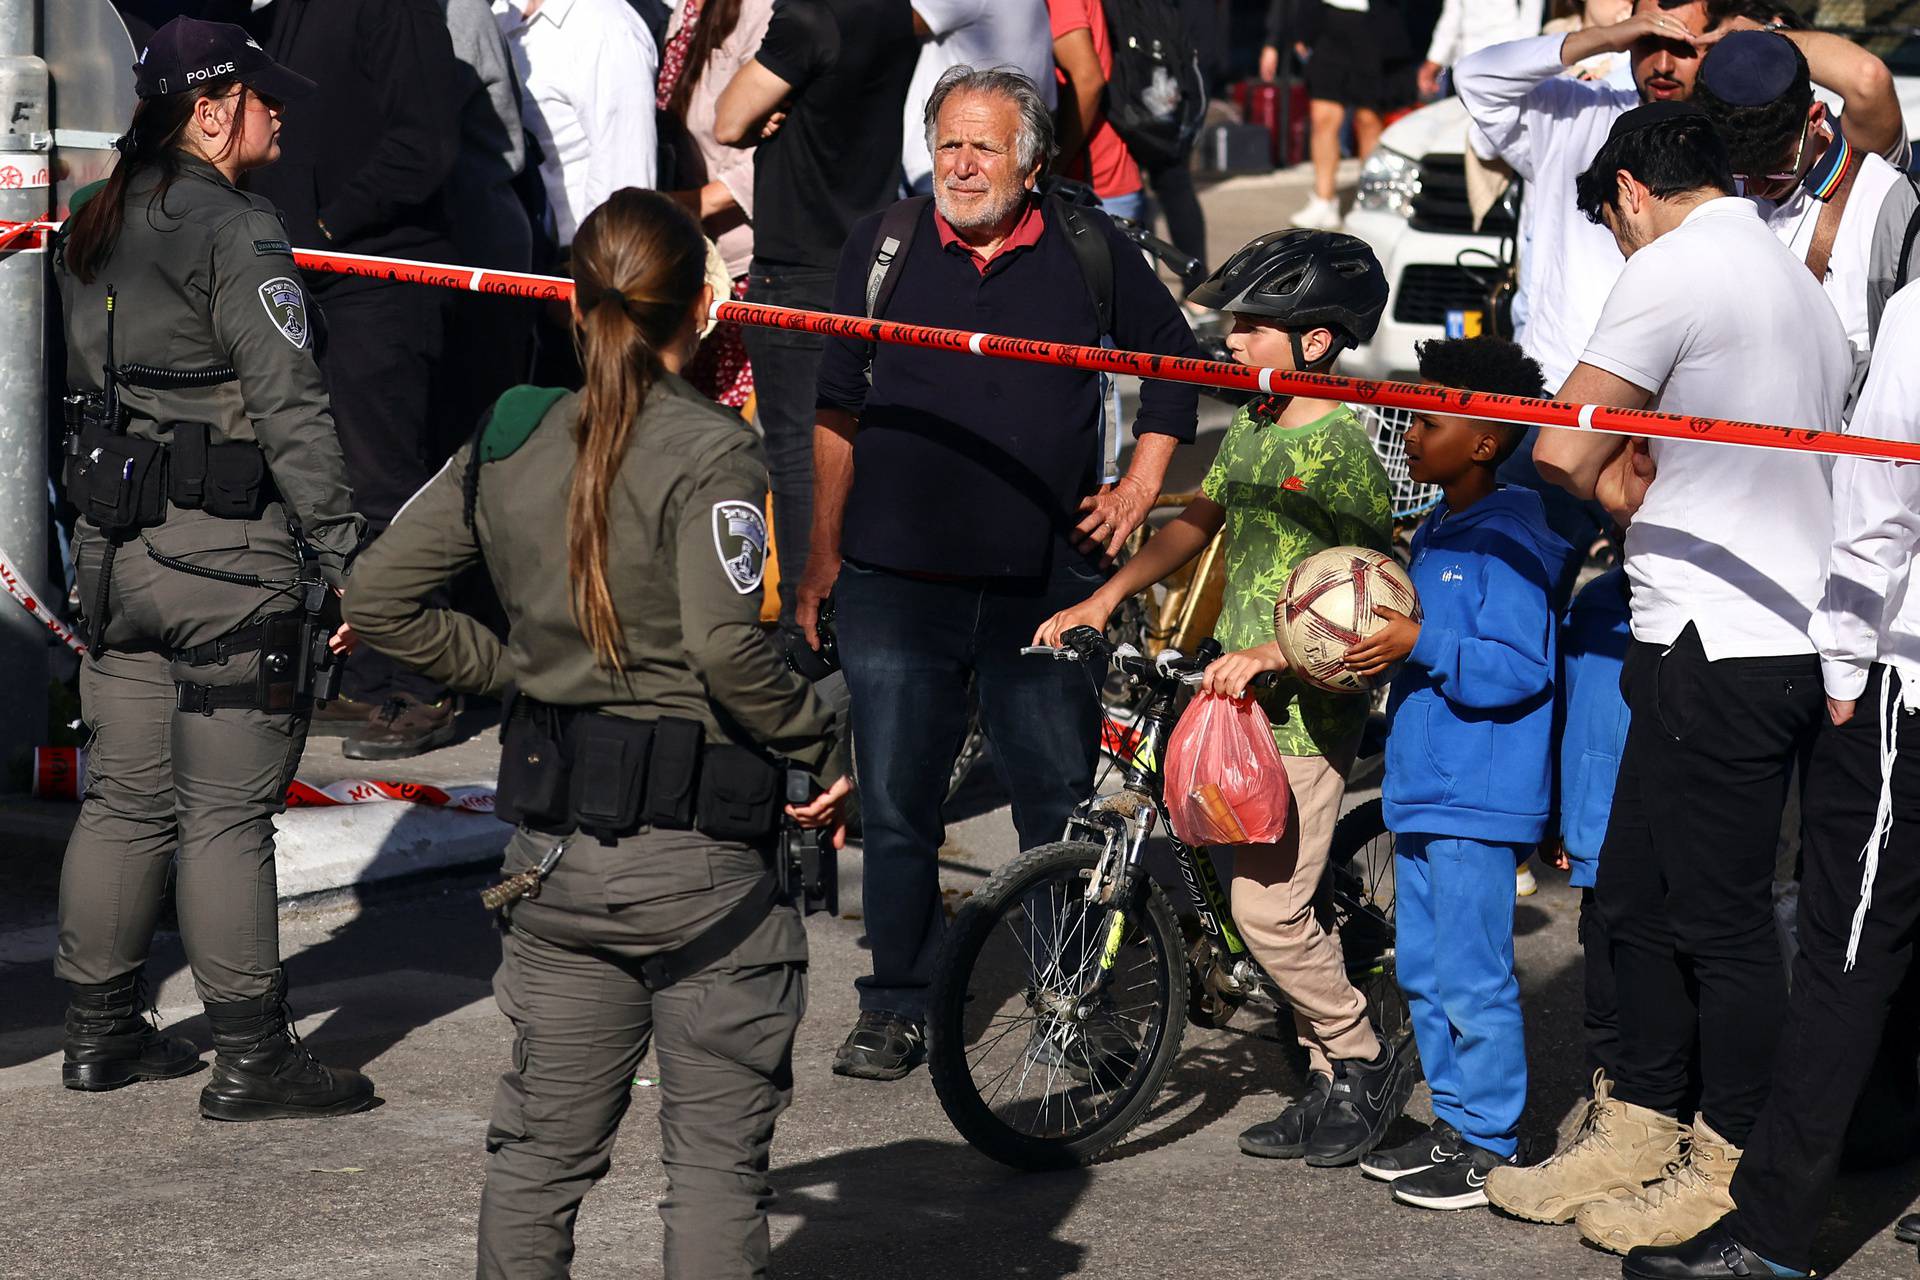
(1186, 222)
(383, 341)
(1686, 875)
(1835, 1022)
(786, 372)
(1602, 1010)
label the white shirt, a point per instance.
(1868, 613)
(1849, 268)
(1468, 26)
(1549, 126)
(1716, 318)
(588, 69)
(980, 34)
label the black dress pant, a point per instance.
(1835, 1022)
(383, 341)
(1686, 875)
(1601, 1014)
(1186, 222)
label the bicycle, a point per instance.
(1064, 986)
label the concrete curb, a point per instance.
(317, 850)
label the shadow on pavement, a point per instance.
(942, 1203)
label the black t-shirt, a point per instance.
(837, 157)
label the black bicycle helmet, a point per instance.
(1303, 280)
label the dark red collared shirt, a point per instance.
(1026, 234)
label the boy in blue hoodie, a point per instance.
(1469, 773)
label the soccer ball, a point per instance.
(1328, 607)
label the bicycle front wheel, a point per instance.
(1032, 1070)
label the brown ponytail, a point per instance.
(639, 262)
(152, 141)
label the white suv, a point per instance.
(1412, 208)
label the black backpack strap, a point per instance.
(1093, 251)
(890, 245)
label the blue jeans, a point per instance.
(786, 372)
(1130, 206)
(1461, 993)
(909, 648)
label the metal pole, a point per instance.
(25, 144)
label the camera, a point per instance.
(812, 664)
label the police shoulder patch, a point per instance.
(286, 305)
(740, 539)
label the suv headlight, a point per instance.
(1388, 182)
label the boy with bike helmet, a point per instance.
(1294, 476)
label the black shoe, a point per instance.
(110, 1043)
(1366, 1098)
(403, 726)
(1712, 1255)
(1285, 1136)
(1907, 1230)
(1439, 1143)
(261, 1070)
(881, 1046)
(1459, 1182)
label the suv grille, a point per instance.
(1442, 203)
(1428, 291)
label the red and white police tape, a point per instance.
(1483, 405)
(60, 773)
(16, 585)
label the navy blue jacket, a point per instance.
(974, 467)
(1471, 745)
(1594, 716)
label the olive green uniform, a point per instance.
(686, 546)
(201, 278)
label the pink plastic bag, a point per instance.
(1224, 780)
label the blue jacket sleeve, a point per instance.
(1504, 659)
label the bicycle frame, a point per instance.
(1124, 821)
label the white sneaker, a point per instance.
(1319, 214)
(1524, 885)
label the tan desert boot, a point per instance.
(1619, 1149)
(1678, 1207)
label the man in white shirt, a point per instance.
(1548, 127)
(1468, 26)
(1726, 553)
(587, 68)
(1834, 206)
(971, 33)
(1862, 807)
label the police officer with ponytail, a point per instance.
(644, 754)
(215, 526)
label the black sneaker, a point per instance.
(1437, 1145)
(1907, 1230)
(1365, 1099)
(1458, 1183)
(1285, 1137)
(881, 1046)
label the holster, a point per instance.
(566, 769)
(286, 677)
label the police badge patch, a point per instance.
(740, 538)
(287, 307)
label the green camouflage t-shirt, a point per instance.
(1291, 492)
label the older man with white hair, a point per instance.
(959, 504)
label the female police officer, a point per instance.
(215, 514)
(638, 758)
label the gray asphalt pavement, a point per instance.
(872, 1181)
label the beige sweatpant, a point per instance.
(1275, 887)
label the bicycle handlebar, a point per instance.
(1084, 644)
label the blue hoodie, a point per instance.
(1470, 750)
(1594, 716)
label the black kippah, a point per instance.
(1750, 68)
(1650, 114)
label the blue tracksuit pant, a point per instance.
(1453, 912)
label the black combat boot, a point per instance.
(261, 1070)
(110, 1043)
